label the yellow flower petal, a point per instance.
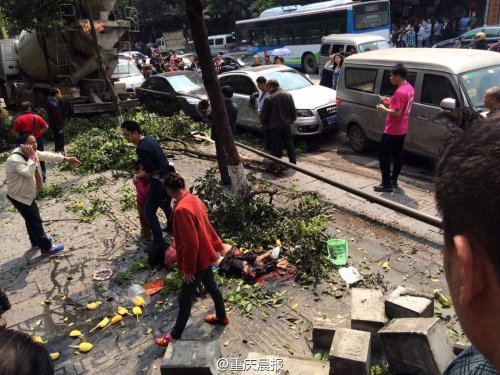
(122, 311)
(137, 310)
(93, 305)
(85, 347)
(116, 319)
(75, 333)
(139, 301)
(54, 356)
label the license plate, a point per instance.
(331, 120)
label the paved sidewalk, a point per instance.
(49, 295)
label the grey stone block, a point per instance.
(325, 323)
(409, 303)
(350, 353)
(368, 313)
(461, 345)
(416, 346)
(190, 358)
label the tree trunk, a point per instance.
(111, 89)
(46, 57)
(194, 10)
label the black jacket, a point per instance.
(481, 45)
(55, 113)
(326, 78)
(279, 110)
(232, 114)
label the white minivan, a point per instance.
(222, 43)
(353, 43)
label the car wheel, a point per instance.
(310, 65)
(357, 139)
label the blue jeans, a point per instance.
(157, 198)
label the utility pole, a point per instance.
(111, 89)
(194, 10)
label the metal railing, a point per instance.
(402, 209)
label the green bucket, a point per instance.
(338, 252)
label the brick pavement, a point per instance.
(66, 280)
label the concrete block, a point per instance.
(368, 313)
(409, 303)
(190, 358)
(289, 365)
(461, 345)
(350, 353)
(416, 346)
(325, 322)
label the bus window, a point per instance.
(271, 36)
(285, 35)
(302, 33)
(316, 33)
(360, 79)
(242, 37)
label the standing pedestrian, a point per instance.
(156, 166)
(142, 187)
(232, 114)
(54, 106)
(399, 38)
(196, 244)
(492, 101)
(193, 66)
(428, 32)
(446, 31)
(173, 59)
(436, 33)
(335, 65)
(396, 127)
(28, 122)
(278, 115)
(421, 35)
(185, 32)
(327, 74)
(22, 171)
(263, 94)
(267, 60)
(410, 38)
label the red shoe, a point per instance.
(212, 319)
(164, 341)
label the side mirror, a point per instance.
(448, 104)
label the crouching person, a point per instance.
(196, 244)
(24, 178)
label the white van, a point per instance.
(222, 43)
(354, 43)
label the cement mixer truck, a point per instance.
(72, 58)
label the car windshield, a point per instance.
(373, 46)
(186, 83)
(478, 81)
(125, 70)
(140, 56)
(246, 59)
(289, 80)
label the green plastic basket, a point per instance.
(338, 252)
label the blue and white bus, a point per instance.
(300, 28)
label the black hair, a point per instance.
(25, 106)
(261, 80)
(227, 91)
(53, 91)
(272, 83)
(23, 137)
(282, 59)
(132, 126)
(174, 181)
(341, 59)
(275, 59)
(399, 70)
(21, 356)
(467, 180)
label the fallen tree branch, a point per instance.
(258, 192)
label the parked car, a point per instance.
(439, 77)
(316, 109)
(239, 59)
(130, 55)
(168, 93)
(127, 74)
(224, 42)
(336, 43)
(466, 39)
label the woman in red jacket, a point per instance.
(196, 243)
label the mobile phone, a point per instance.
(381, 98)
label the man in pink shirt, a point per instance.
(396, 127)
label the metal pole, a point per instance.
(428, 219)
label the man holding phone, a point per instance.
(396, 127)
